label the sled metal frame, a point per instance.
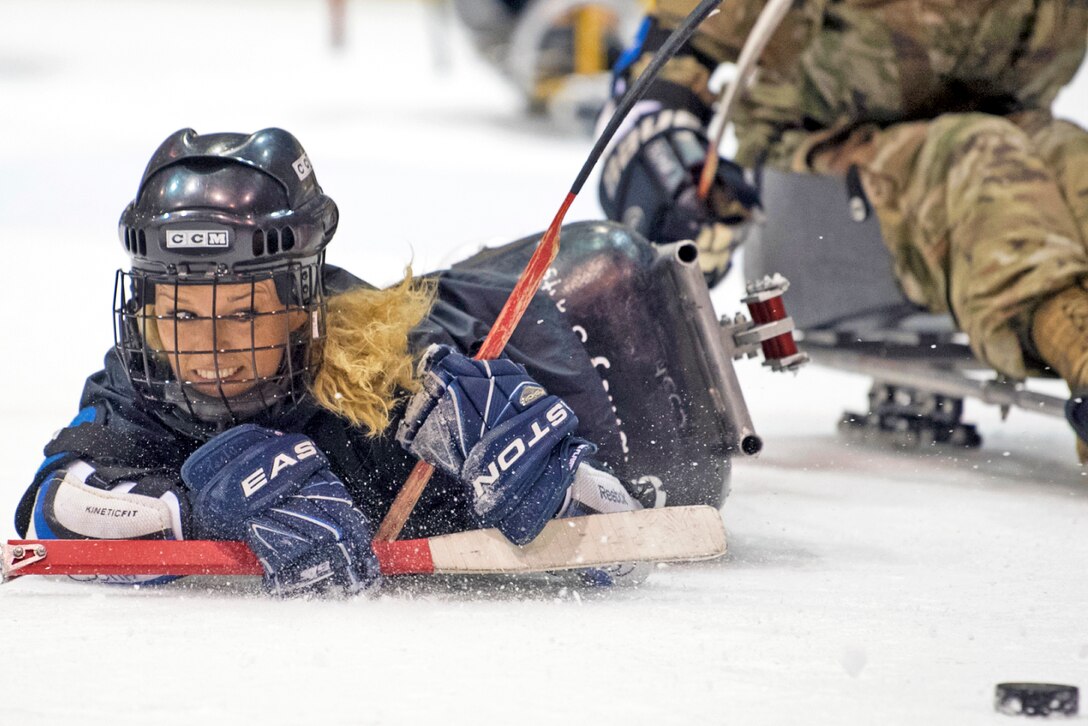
(677, 266)
(933, 374)
(689, 354)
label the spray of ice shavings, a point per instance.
(436, 442)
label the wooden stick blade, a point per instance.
(673, 534)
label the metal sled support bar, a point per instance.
(941, 381)
(672, 534)
(678, 264)
(756, 334)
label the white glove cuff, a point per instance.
(95, 513)
(600, 492)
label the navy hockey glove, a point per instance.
(494, 428)
(651, 176)
(275, 491)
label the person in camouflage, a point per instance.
(943, 108)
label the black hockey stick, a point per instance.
(546, 251)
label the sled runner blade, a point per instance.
(933, 378)
(654, 535)
(672, 534)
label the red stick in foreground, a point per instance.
(651, 535)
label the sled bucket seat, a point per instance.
(821, 233)
(644, 317)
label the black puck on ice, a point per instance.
(1036, 699)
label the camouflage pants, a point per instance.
(985, 216)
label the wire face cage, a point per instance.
(221, 347)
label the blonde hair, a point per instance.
(366, 365)
(147, 323)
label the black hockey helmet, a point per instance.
(227, 203)
(224, 208)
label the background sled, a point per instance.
(558, 53)
(822, 234)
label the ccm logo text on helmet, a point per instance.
(198, 238)
(252, 483)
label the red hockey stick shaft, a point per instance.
(176, 557)
(496, 340)
(130, 557)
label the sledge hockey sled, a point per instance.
(644, 316)
(558, 53)
(822, 234)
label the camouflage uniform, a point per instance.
(943, 104)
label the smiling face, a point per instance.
(224, 339)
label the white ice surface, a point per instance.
(864, 586)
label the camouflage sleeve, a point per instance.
(721, 37)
